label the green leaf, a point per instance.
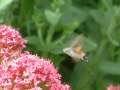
(107, 4)
(72, 14)
(107, 21)
(89, 44)
(110, 68)
(97, 16)
(52, 17)
(34, 41)
(26, 11)
(4, 3)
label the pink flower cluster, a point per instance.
(111, 87)
(25, 71)
(28, 72)
(11, 43)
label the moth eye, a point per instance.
(85, 58)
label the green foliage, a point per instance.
(51, 25)
(4, 4)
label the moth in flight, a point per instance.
(76, 50)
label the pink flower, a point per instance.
(11, 43)
(30, 72)
(23, 71)
(111, 87)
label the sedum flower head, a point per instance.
(11, 42)
(30, 72)
(24, 71)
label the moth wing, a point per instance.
(78, 41)
(69, 52)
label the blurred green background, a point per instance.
(49, 26)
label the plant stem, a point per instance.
(40, 36)
(50, 35)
